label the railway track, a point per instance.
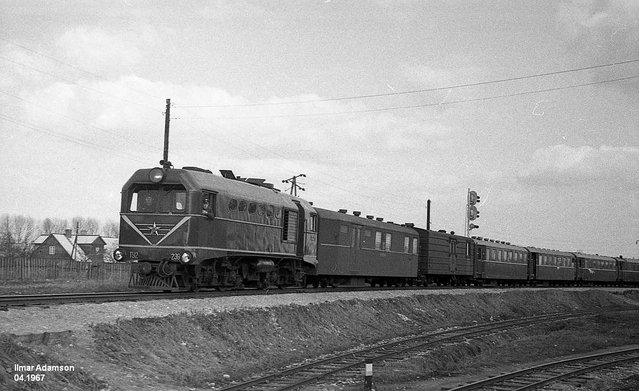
(351, 363)
(572, 369)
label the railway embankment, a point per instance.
(208, 343)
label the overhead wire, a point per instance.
(445, 103)
(419, 91)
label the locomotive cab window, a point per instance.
(158, 199)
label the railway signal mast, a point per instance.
(472, 213)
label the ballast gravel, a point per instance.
(77, 317)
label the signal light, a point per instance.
(473, 213)
(473, 197)
(472, 226)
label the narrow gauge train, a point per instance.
(188, 228)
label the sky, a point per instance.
(381, 104)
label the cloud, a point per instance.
(562, 165)
(101, 50)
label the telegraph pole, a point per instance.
(294, 186)
(167, 117)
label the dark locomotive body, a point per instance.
(188, 228)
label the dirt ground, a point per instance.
(205, 351)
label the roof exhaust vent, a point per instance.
(370, 217)
(409, 225)
(342, 211)
(356, 213)
(380, 219)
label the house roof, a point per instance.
(66, 244)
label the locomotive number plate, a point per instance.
(175, 256)
(134, 255)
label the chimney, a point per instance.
(67, 233)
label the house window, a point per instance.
(51, 250)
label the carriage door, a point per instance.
(452, 255)
(355, 245)
(301, 229)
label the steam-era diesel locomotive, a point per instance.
(188, 228)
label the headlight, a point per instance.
(186, 257)
(119, 255)
(156, 175)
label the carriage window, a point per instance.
(232, 204)
(241, 206)
(378, 240)
(406, 244)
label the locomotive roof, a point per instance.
(200, 180)
(329, 214)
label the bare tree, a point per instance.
(111, 229)
(17, 234)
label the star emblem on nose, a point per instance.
(154, 229)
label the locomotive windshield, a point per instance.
(158, 199)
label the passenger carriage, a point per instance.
(500, 262)
(445, 258)
(551, 266)
(354, 250)
(628, 270)
(596, 269)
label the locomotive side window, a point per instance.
(208, 204)
(313, 223)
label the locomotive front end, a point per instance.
(158, 210)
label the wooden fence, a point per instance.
(35, 269)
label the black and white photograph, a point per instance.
(319, 195)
